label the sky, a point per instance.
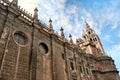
(103, 16)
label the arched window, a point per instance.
(72, 65)
(80, 68)
(89, 32)
(84, 37)
(63, 56)
(95, 39)
(90, 39)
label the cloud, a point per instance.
(107, 38)
(28, 5)
(71, 9)
(55, 10)
(115, 49)
(71, 17)
(109, 15)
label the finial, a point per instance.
(62, 33)
(36, 9)
(50, 21)
(51, 26)
(15, 3)
(35, 16)
(71, 41)
(70, 36)
(61, 29)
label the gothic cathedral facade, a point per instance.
(31, 50)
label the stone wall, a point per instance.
(29, 50)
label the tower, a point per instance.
(91, 37)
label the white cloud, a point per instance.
(29, 5)
(55, 10)
(107, 38)
(115, 48)
(115, 25)
(109, 16)
(72, 9)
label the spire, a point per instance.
(71, 40)
(50, 26)
(15, 3)
(87, 25)
(35, 16)
(62, 32)
(88, 29)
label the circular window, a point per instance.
(43, 48)
(20, 38)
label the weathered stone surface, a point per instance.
(37, 53)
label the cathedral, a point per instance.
(31, 50)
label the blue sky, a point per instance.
(102, 15)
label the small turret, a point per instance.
(71, 40)
(62, 33)
(50, 26)
(15, 3)
(35, 16)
